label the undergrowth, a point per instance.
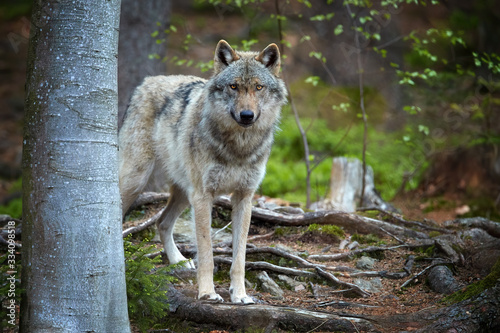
(147, 283)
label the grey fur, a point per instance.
(207, 138)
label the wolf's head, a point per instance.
(246, 85)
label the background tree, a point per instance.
(73, 267)
(138, 21)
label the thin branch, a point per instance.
(335, 280)
(144, 225)
(416, 276)
(263, 265)
(345, 255)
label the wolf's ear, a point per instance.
(224, 55)
(270, 57)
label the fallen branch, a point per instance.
(349, 221)
(343, 304)
(144, 225)
(148, 198)
(402, 221)
(416, 276)
(335, 280)
(263, 265)
(346, 255)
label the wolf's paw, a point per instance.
(240, 298)
(189, 264)
(212, 297)
(246, 300)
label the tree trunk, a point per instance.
(138, 20)
(73, 268)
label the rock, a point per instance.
(372, 286)
(291, 282)
(268, 285)
(441, 280)
(365, 263)
(300, 287)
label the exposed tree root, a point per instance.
(263, 317)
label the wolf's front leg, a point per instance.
(202, 206)
(242, 211)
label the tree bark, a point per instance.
(139, 19)
(73, 268)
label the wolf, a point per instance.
(206, 138)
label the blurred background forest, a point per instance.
(428, 72)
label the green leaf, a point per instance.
(312, 80)
(338, 29)
(423, 129)
(305, 38)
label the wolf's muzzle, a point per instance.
(246, 118)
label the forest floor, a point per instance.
(387, 298)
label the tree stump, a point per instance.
(346, 186)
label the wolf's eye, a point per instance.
(259, 87)
(233, 86)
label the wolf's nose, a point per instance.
(246, 116)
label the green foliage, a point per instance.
(146, 284)
(14, 208)
(285, 175)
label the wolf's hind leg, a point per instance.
(134, 175)
(177, 203)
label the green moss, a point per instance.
(476, 288)
(366, 239)
(428, 251)
(285, 231)
(221, 276)
(433, 234)
(326, 229)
